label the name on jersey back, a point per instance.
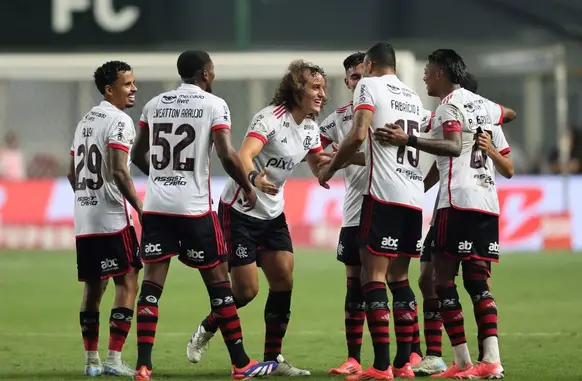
(405, 107)
(175, 113)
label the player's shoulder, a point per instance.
(271, 114)
(345, 109)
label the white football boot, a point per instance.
(198, 344)
(430, 365)
(288, 370)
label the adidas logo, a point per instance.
(284, 140)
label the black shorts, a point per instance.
(389, 230)
(348, 250)
(246, 235)
(107, 256)
(465, 235)
(198, 241)
(428, 245)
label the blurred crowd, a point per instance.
(15, 165)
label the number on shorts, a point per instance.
(169, 153)
(479, 161)
(91, 159)
(410, 127)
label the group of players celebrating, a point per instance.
(375, 140)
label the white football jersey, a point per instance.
(396, 177)
(100, 208)
(286, 144)
(467, 182)
(180, 125)
(334, 129)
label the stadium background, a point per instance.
(525, 54)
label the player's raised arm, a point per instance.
(119, 143)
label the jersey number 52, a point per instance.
(169, 153)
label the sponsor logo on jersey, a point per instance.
(410, 174)
(169, 99)
(170, 180)
(309, 127)
(393, 89)
(347, 118)
(281, 163)
(87, 200)
(327, 126)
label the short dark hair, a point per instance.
(292, 85)
(106, 74)
(191, 63)
(451, 63)
(354, 60)
(469, 83)
(382, 54)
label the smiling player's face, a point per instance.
(122, 91)
(314, 95)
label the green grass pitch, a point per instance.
(538, 296)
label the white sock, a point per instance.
(92, 357)
(462, 355)
(114, 357)
(491, 350)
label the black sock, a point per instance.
(89, 321)
(147, 322)
(277, 313)
(378, 316)
(211, 325)
(227, 319)
(355, 316)
(403, 309)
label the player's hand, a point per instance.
(249, 199)
(484, 142)
(396, 135)
(325, 174)
(334, 147)
(264, 185)
(381, 135)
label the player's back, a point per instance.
(99, 205)
(395, 173)
(468, 180)
(180, 125)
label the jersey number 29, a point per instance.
(91, 159)
(169, 153)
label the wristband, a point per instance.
(412, 140)
(252, 176)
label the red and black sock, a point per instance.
(355, 317)
(433, 328)
(277, 313)
(378, 316)
(119, 326)
(403, 308)
(484, 308)
(89, 321)
(147, 322)
(211, 325)
(226, 317)
(416, 334)
(452, 314)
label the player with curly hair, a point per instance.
(279, 137)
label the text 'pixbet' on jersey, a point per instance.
(281, 163)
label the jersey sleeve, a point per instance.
(426, 122)
(495, 111)
(72, 150)
(220, 115)
(143, 119)
(328, 129)
(315, 146)
(121, 134)
(363, 97)
(499, 141)
(260, 129)
(448, 117)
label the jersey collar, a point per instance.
(190, 86)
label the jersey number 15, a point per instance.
(411, 128)
(169, 153)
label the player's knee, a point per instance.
(244, 295)
(93, 293)
(426, 284)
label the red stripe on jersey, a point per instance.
(364, 107)
(344, 108)
(118, 146)
(257, 136)
(316, 149)
(220, 127)
(500, 121)
(429, 126)
(143, 124)
(505, 151)
(447, 98)
(72, 153)
(279, 111)
(452, 126)
(324, 140)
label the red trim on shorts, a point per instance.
(364, 106)
(159, 259)
(316, 149)
(452, 126)
(118, 146)
(409, 255)
(325, 140)
(257, 136)
(442, 226)
(220, 243)
(505, 151)
(226, 227)
(391, 255)
(213, 264)
(143, 124)
(364, 230)
(220, 127)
